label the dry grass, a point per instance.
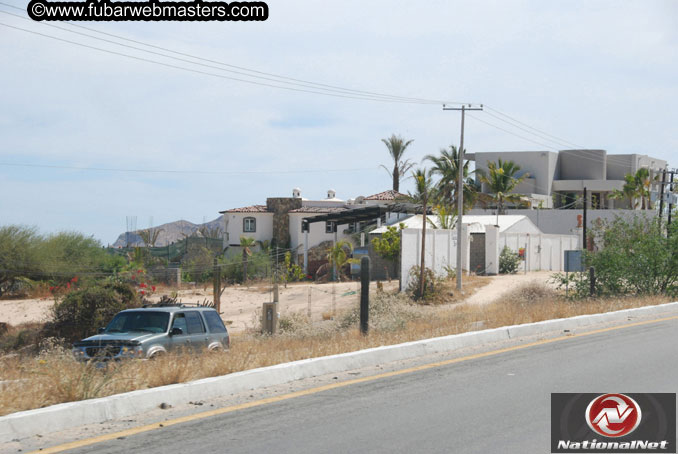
(53, 376)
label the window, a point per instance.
(194, 323)
(329, 226)
(249, 225)
(180, 322)
(214, 322)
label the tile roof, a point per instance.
(312, 209)
(249, 209)
(386, 195)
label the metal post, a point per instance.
(309, 304)
(334, 245)
(364, 294)
(306, 252)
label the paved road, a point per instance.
(495, 404)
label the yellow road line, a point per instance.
(307, 392)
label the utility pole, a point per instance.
(670, 202)
(661, 198)
(460, 186)
(584, 221)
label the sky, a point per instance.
(593, 74)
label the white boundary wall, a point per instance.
(544, 252)
(441, 251)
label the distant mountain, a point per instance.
(170, 232)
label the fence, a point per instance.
(175, 251)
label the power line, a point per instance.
(202, 172)
(316, 88)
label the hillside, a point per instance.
(170, 232)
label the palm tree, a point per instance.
(502, 181)
(150, 236)
(446, 217)
(339, 256)
(423, 191)
(396, 147)
(246, 243)
(636, 189)
(446, 165)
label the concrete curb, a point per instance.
(62, 416)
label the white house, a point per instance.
(280, 220)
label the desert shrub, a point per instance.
(508, 261)
(19, 337)
(432, 284)
(83, 311)
(388, 312)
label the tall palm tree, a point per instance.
(246, 243)
(446, 166)
(150, 236)
(423, 192)
(501, 180)
(396, 148)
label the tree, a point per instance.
(339, 255)
(446, 217)
(388, 246)
(502, 181)
(19, 255)
(207, 232)
(246, 243)
(423, 189)
(636, 189)
(396, 148)
(446, 166)
(150, 236)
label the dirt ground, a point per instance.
(241, 305)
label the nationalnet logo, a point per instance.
(613, 422)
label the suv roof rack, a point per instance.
(173, 302)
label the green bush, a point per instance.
(637, 257)
(508, 261)
(82, 312)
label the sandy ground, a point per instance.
(241, 305)
(501, 284)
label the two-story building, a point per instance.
(556, 180)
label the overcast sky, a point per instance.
(598, 74)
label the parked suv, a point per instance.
(151, 331)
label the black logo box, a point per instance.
(658, 422)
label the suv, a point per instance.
(152, 331)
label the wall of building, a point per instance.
(542, 167)
(316, 234)
(566, 221)
(234, 227)
(582, 164)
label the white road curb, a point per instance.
(62, 416)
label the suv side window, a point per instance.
(214, 322)
(180, 322)
(194, 323)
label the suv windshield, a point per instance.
(153, 322)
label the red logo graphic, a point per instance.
(613, 415)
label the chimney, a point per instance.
(296, 193)
(331, 194)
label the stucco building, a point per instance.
(556, 179)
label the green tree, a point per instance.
(501, 180)
(636, 189)
(246, 243)
(446, 166)
(339, 256)
(19, 255)
(446, 217)
(388, 245)
(423, 191)
(396, 146)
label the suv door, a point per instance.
(193, 331)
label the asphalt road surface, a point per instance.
(495, 404)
